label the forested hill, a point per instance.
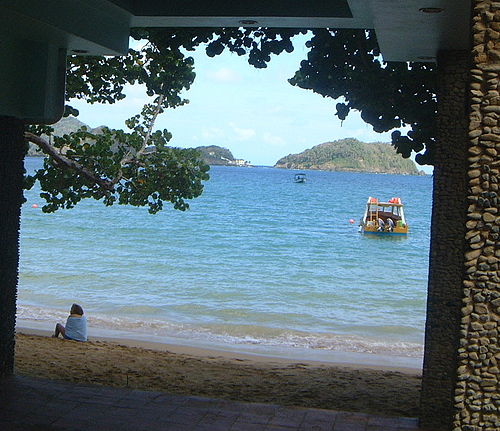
(63, 126)
(215, 155)
(211, 155)
(351, 155)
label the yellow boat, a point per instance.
(384, 218)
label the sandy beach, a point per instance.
(225, 375)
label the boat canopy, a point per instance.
(393, 202)
(379, 214)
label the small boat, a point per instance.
(384, 218)
(299, 178)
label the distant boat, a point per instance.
(299, 178)
(384, 218)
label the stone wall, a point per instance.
(477, 392)
(461, 388)
(448, 231)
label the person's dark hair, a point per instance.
(76, 309)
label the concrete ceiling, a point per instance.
(36, 36)
(404, 31)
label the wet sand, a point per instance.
(232, 376)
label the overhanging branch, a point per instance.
(129, 157)
(68, 163)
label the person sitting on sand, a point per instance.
(76, 325)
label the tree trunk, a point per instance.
(12, 150)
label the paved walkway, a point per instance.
(44, 405)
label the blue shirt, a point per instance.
(76, 328)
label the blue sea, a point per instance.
(258, 263)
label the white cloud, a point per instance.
(224, 75)
(212, 133)
(243, 134)
(276, 141)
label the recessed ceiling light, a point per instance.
(431, 9)
(248, 22)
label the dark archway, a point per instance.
(460, 371)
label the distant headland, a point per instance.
(351, 155)
(215, 155)
(348, 154)
(211, 155)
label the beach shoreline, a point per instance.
(217, 374)
(254, 353)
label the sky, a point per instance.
(255, 113)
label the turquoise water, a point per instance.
(257, 260)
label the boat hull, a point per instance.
(373, 230)
(384, 233)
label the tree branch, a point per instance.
(68, 163)
(151, 124)
(129, 157)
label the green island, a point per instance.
(211, 155)
(215, 155)
(351, 155)
(347, 154)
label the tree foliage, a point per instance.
(344, 65)
(135, 167)
(347, 64)
(120, 167)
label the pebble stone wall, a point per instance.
(448, 230)
(477, 391)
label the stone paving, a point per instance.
(28, 404)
